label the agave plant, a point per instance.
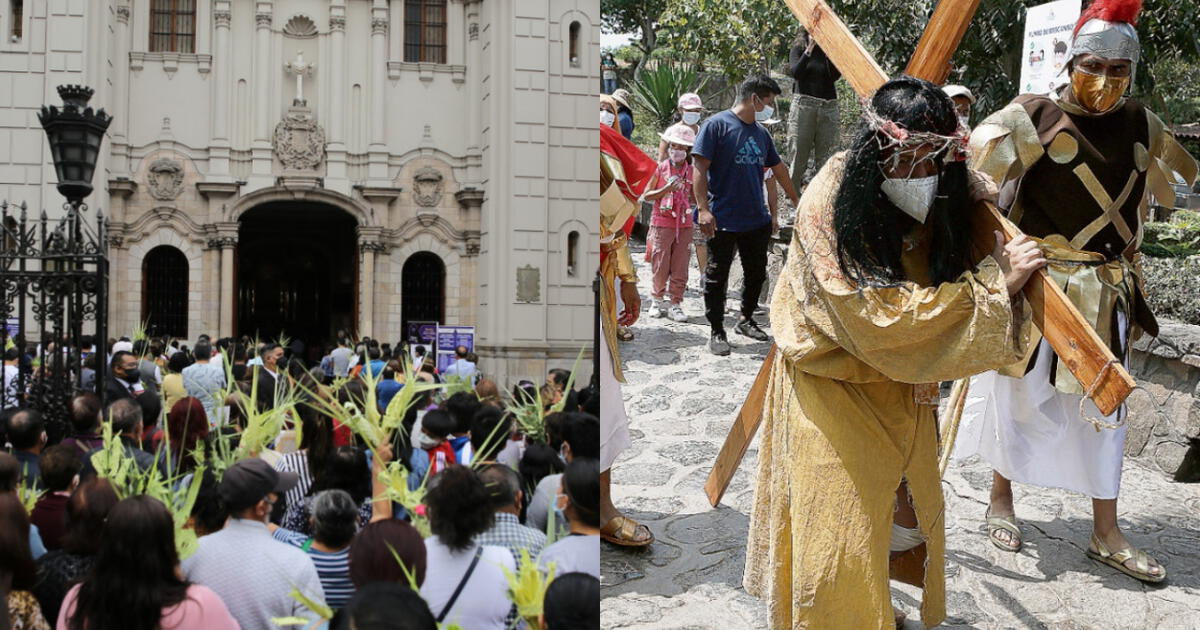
(657, 90)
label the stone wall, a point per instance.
(1167, 414)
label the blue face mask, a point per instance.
(766, 112)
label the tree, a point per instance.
(634, 16)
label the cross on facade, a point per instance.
(1064, 328)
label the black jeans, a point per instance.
(751, 246)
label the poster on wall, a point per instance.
(422, 334)
(449, 338)
(1044, 59)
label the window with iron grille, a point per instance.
(173, 26)
(165, 292)
(425, 31)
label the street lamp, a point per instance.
(75, 133)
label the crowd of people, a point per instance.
(308, 520)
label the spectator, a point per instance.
(85, 423)
(147, 353)
(125, 380)
(134, 583)
(9, 386)
(237, 353)
(572, 602)
(187, 425)
(389, 385)
(272, 381)
(62, 568)
(387, 606)
(16, 564)
(462, 407)
(462, 367)
(729, 156)
(173, 387)
(307, 463)
(346, 469)
(371, 557)
(253, 573)
(87, 376)
(813, 119)
(624, 112)
(490, 431)
(670, 237)
(333, 523)
(608, 74)
(27, 434)
(538, 462)
(60, 466)
(208, 513)
(125, 415)
(341, 358)
(431, 452)
(579, 500)
(459, 510)
(507, 497)
(581, 438)
(488, 393)
(205, 379)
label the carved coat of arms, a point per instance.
(165, 179)
(427, 187)
(299, 142)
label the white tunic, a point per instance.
(1032, 433)
(614, 425)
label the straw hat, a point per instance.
(679, 133)
(623, 97)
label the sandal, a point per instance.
(624, 334)
(1118, 559)
(1008, 524)
(626, 532)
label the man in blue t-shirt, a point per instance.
(731, 152)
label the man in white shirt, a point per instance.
(462, 368)
(341, 357)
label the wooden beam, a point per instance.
(741, 434)
(840, 45)
(947, 25)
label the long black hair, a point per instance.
(133, 578)
(869, 228)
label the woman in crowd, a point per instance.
(173, 388)
(135, 582)
(579, 500)
(459, 510)
(16, 565)
(187, 428)
(333, 523)
(345, 470)
(60, 569)
(572, 603)
(316, 444)
(387, 606)
(371, 558)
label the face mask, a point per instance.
(677, 155)
(913, 196)
(1097, 93)
(691, 118)
(131, 376)
(427, 442)
(964, 122)
(607, 118)
(765, 114)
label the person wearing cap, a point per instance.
(252, 572)
(624, 112)
(671, 222)
(963, 100)
(1075, 170)
(688, 110)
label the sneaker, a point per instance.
(675, 312)
(718, 344)
(749, 328)
(655, 309)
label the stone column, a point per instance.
(370, 242)
(119, 191)
(120, 111)
(335, 151)
(377, 168)
(475, 112)
(262, 71)
(226, 244)
(218, 159)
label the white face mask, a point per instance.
(913, 196)
(964, 122)
(427, 442)
(607, 118)
(677, 155)
(765, 114)
(691, 118)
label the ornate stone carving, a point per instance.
(378, 247)
(473, 31)
(299, 141)
(222, 18)
(529, 284)
(263, 20)
(123, 14)
(300, 68)
(337, 23)
(300, 26)
(427, 187)
(165, 178)
(379, 26)
(223, 242)
(116, 241)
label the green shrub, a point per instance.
(1171, 288)
(1177, 238)
(657, 90)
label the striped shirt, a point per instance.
(332, 568)
(297, 462)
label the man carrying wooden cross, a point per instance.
(1076, 169)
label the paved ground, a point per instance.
(681, 401)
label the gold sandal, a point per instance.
(1118, 559)
(626, 532)
(1007, 524)
(624, 333)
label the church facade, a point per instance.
(309, 166)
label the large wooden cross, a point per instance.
(1073, 339)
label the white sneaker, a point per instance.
(655, 309)
(675, 312)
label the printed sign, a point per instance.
(423, 335)
(1044, 59)
(449, 338)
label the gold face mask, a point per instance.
(1097, 92)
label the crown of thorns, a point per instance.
(892, 134)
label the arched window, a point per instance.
(165, 292)
(425, 31)
(422, 289)
(173, 26)
(574, 49)
(573, 254)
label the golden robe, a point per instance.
(850, 412)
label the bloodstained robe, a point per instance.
(850, 411)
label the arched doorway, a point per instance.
(297, 269)
(165, 292)
(422, 289)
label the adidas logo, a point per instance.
(750, 153)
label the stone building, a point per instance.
(315, 165)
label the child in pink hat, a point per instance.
(670, 234)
